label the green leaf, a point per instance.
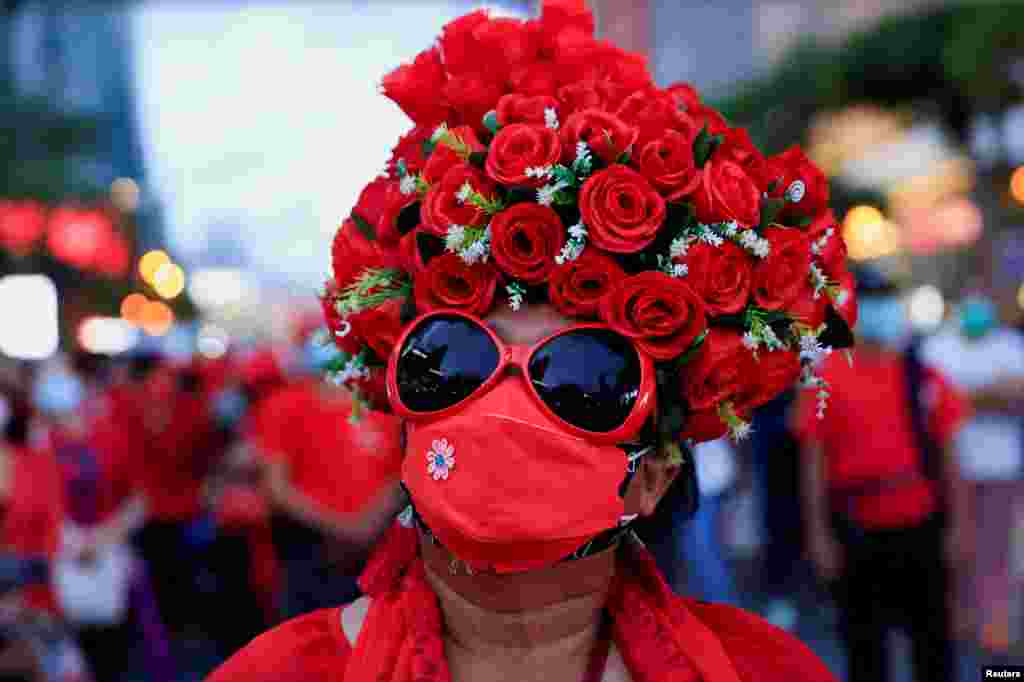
(365, 227)
(702, 147)
(491, 121)
(692, 350)
(408, 311)
(804, 222)
(403, 170)
(428, 148)
(770, 209)
(625, 155)
(478, 159)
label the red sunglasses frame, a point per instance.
(515, 355)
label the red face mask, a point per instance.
(505, 489)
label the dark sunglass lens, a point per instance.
(442, 362)
(590, 378)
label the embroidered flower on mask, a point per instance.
(440, 459)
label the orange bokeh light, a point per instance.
(1017, 185)
(156, 318)
(132, 305)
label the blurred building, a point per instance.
(77, 57)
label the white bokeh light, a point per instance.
(32, 329)
(926, 308)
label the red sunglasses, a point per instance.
(593, 380)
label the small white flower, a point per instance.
(811, 350)
(551, 118)
(515, 295)
(546, 194)
(679, 247)
(818, 280)
(741, 431)
(408, 184)
(709, 236)
(475, 252)
(842, 297)
(762, 248)
(750, 341)
(456, 236)
(440, 459)
(464, 193)
(353, 370)
(770, 339)
(731, 229)
(679, 270)
(578, 231)
(796, 191)
(819, 246)
(537, 171)
(570, 252)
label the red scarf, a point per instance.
(401, 638)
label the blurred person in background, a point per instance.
(986, 360)
(178, 531)
(326, 516)
(883, 502)
(708, 572)
(775, 459)
(101, 587)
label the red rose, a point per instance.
(720, 275)
(410, 253)
(606, 134)
(628, 69)
(579, 96)
(393, 222)
(809, 310)
(621, 210)
(661, 313)
(442, 208)
(577, 287)
(565, 16)
(727, 193)
(444, 157)
(828, 249)
(803, 185)
(380, 327)
(341, 331)
(846, 305)
(653, 112)
(373, 200)
(704, 426)
(685, 95)
(459, 47)
(737, 147)
(667, 163)
(525, 239)
(410, 150)
(517, 108)
(414, 88)
(774, 372)
(719, 372)
(448, 282)
(352, 252)
(518, 147)
(783, 275)
(706, 116)
(509, 40)
(470, 97)
(536, 79)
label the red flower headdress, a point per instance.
(545, 164)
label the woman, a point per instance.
(660, 279)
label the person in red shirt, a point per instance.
(881, 522)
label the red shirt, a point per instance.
(338, 465)
(31, 526)
(177, 463)
(276, 422)
(867, 433)
(117, 433)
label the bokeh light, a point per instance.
(150, 263)
(156, 318)
(1017, 185)
(107, 335)
(926, 308)
(169, 280)
(124, 194)
(132, 305)
(1020, 296)
(35, 334)
(212, 342)
(868, 234)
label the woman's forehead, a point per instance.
(527, 325)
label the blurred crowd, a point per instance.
(159, 511)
